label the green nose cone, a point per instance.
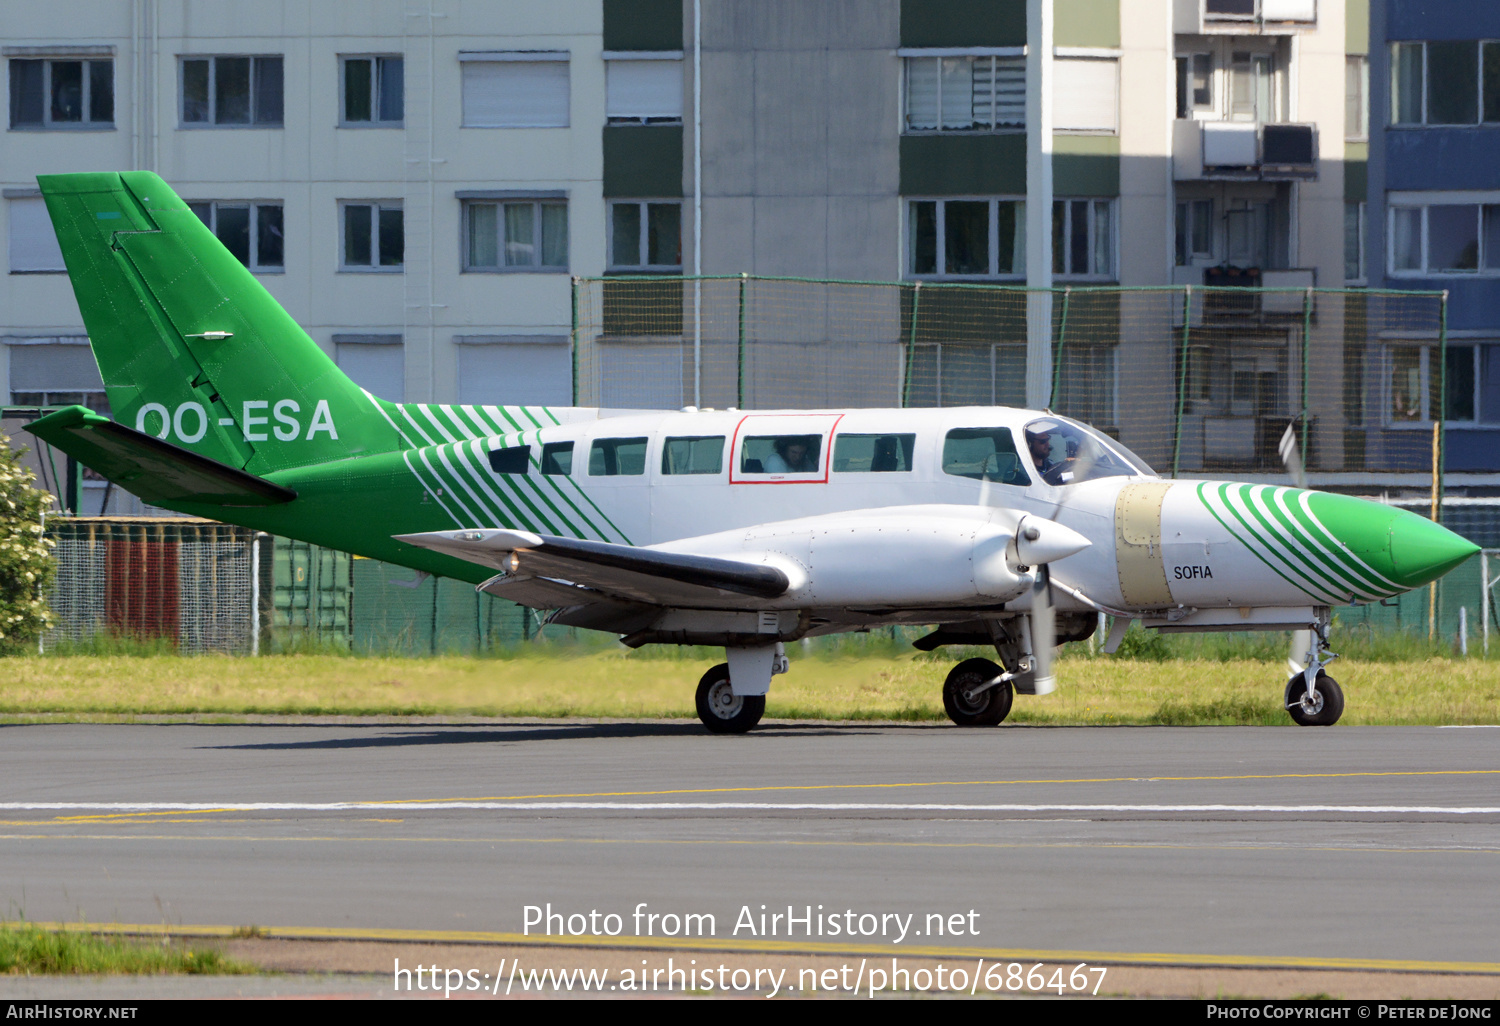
(1422, 551)
(1400, 546)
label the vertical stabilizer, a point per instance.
(192, 349)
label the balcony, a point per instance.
(1197, 16)
(1213, 306)
(1244, 151)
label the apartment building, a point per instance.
(1433, 214)
(418, 185)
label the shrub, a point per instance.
(26, 563)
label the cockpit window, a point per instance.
(985, 454)
(1066, 452)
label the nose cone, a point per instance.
(1405, 549)
(1422, 551)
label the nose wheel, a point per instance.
(1320, 707)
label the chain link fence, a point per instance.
(1194, 379)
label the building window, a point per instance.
(251, 231)
(965, 94)
(518, 235)
(1083, 243)
(1445, 83)
(1445, 238)
(1195, 84)
(374, 91)
(518, 370)
(1354, 243)
(645, 235)
(374, 236)
(643, 91)
(376, 363)
(1356, 97)
(1087, 95)
(1195, 232)
(229, 91)
(515, 90)
(1415, 388)
(33, 243)
(56, 372)
(62, 93)
(1252, 87)
(966, 238)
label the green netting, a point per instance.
(1195, 380)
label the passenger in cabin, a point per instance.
(791, 456)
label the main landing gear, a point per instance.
(975, 695)
(732, 696)
(1313, 698)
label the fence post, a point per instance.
(739, 388)
(1062, 331)
(1182, 360)
(574, 334)
(1307, 308)
(1442, 415)
(911, 346)
(1439, 425)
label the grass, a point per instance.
(29, 950)
(859, 679)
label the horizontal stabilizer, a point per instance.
(622, 571)
(159, 472)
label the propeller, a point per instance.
(1291, 455)
(1039, 541)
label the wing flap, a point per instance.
(635, 574)
(159, 472)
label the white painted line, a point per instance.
(416, 806)
(1469, 726)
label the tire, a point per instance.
(723, 712)
(1329, 709)
(983, 710)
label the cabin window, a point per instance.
(511, 460)
(859, 454)
(611, 457)
(985, 454)
(698, 455)
(557, 458)
(781, 454)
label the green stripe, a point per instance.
(1235, 534)
(1295, 537)
(1272, 539)
(1353, 565)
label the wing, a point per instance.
(548, 572)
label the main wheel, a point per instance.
(970, 708)
(721, 710)
(1324, 710)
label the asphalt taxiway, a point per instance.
(1345, 847)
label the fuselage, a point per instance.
(701, 480)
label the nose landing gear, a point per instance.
(1313, 698)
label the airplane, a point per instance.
(744, 529)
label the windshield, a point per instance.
(1067, 452)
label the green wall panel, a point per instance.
(1086, 165)
(1356, 26)
(1356, 180)
(963, 165)
(643, 160)
(1086, 23)
(963, 22)
(643, 24)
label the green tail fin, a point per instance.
(192, 349)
